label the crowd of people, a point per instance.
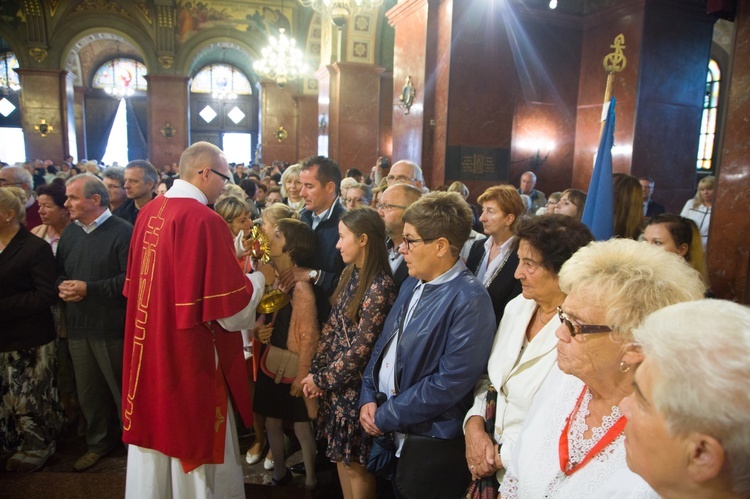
(421, 344)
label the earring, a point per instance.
(624, 367)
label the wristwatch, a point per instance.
(313, 275)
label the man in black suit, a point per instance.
(393, 203)
(320, 178)
(650, 208)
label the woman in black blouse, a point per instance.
(493, 260)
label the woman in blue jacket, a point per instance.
(434, 347)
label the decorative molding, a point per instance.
(102, 5)
(39, 54)
(404, 10)
(166, 61)
(145, 10)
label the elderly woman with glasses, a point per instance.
(572, 442)
(433, 349)
(688, 431)
(524, 349)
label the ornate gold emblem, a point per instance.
(281, 134)
(615, 62)
(39, 54)
(167, 130)
(273, 299)
(43, 127)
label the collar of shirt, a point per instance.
(30, 201)
(88, 229)
(325, 215)
(487, 268)
(451, 274)
(183, 189)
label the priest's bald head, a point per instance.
(205, 166)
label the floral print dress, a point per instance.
(343, 352)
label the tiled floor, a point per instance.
(106, 479)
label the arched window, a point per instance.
(12, 147)
(222, 81)
(8, 77)
(708, 123)
(121, 77)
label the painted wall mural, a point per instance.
(195, 16)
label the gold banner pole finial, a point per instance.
(614, 62)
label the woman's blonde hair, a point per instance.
(629, 280)
(292, 171)
(14, 199)
(230, 208)
(708, 182)
(279, 211)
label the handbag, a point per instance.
(432, 467)
(279, 364)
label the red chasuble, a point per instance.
(182, 276)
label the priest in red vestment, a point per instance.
(183, 367)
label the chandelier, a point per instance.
(282, 61)
(340, 10)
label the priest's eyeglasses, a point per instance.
(576, 328)
(225, 177)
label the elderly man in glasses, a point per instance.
(393, 203)
(405, 172)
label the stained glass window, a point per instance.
(222, 81)
(708, 123)
(8, 77)
(121, 77)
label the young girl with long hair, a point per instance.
(361, 303)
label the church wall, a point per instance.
(675, 54)
(729, 238)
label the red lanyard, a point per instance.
(607, 439)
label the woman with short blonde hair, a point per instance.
(572, 443)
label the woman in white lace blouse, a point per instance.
(572, 442)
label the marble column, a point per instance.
(279, 117)
(729, 236)
(79, 114)
(409, 18)
(45, 97)
(308, 126)
(352, 99)
(168, 133)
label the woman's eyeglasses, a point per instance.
(575, 329)
(409, 242)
